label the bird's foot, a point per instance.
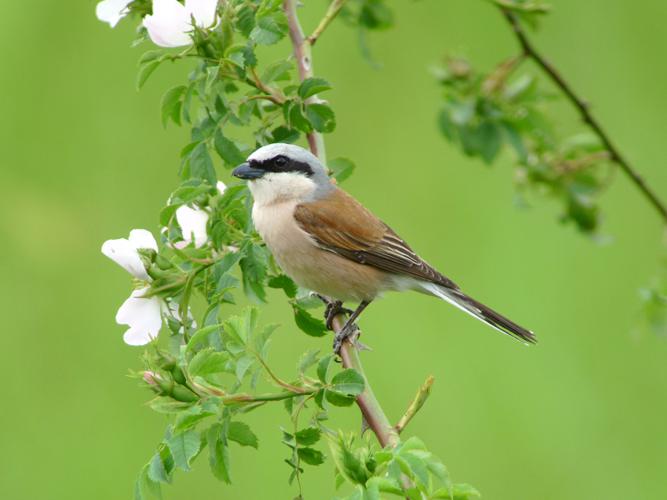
(350, 332)
(334, 308)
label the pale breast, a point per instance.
(309, 266)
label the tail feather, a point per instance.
(495, 320)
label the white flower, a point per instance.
(193, 225)
(193, 222)
(171, 22)
(124, 252)
(111, 11)
(143, 315)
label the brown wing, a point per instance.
(340, 224)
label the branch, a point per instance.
(332, 12)
(583, 108)
(302, 54)
(368, 404)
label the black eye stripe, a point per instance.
(282, 163)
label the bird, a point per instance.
(328, 242)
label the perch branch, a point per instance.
(370, 407)
(583, 108)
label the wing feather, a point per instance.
(340, 224)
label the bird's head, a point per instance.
(284, 172)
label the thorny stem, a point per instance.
(302, 54)
(583, 108)
(370, 407)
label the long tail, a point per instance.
(480, 311)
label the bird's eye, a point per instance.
(280, 161)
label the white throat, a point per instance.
(276, 187)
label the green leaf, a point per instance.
(338, 399)
(201, 165)
(323, 368)
(307, 323)
(145, 71)
(218, 453)
(207, 362)
(321, 117)
(285, 283)
(201, 336)
(349, 382)
(307, 360)
(489, 140)
(341, 168)
(269, 29)
(188, 419)
(308, 436)
(375, 15)
(312, 86)
(171, 105)
(161, 466)
(167, 405)
(311, 456)
(184, 447)
(253, 266)
(458, 492)
(277, 71)
(145, 487)
(295, 118)
(240, 433)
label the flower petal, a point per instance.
(124, 253)
(142, 238)
(111, 11)
(169, 25)
(222, 187)
(193, 224)
(143, 317)
(203, 11)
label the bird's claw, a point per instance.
(348, 332)
(333, 309)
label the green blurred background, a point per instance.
(581, 415)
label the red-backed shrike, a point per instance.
(326, 241)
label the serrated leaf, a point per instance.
(145, 71)
(188, 419)
(208, 362)
(323, 368)
(285, 283)
(308, 436)
(161, 466)
(307, 323)
(269, 29)
(201, 336)
(321, 117)
(277, 71)
(201, 165)
(311, 86)
(145, 487)
(171, 105)
(218, 453)
(311, 456)
(253, 266)
(184, 447)
(240, 433)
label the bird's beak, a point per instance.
(245, 171)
